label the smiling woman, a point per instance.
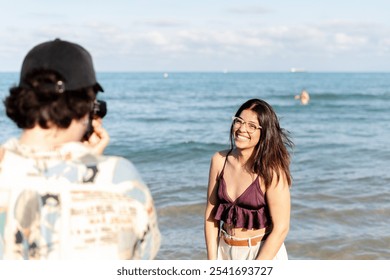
(248, 202)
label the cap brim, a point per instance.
(99, 87)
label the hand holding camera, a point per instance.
(96, 136)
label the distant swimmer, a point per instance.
(304, 97)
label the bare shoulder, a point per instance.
(219, 157)
(217, 163)
(279, 181)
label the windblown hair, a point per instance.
(270, 155)
(42, 102)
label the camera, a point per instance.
(99, 110)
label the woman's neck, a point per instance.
(244, 157)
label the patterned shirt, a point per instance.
(67, 203)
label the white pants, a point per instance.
(228, 252)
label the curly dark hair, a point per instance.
(43, 102)
(270, 154)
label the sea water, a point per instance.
(169, 126)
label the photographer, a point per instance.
(59, 197)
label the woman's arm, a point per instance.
(278, 198)
(211, 227)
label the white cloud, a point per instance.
(160, 23)
(249, 10)
(305, 42)
(175, 43)
(384, 46)
(346, 42)
(157, 38)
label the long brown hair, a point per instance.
(270, 155)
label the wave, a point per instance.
(181, 151)
(184, 209)
(350, 95)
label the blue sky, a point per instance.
(213, 35)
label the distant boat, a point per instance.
(165, 75)
(297, 70)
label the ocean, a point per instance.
(170, 126)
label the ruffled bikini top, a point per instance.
(249, 210)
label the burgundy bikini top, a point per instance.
(249, 210)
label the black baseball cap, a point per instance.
(70, 60)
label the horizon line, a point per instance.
(232, 72)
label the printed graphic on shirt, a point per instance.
(75, 210)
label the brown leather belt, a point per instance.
(245, 242)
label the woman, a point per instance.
(248, 201)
